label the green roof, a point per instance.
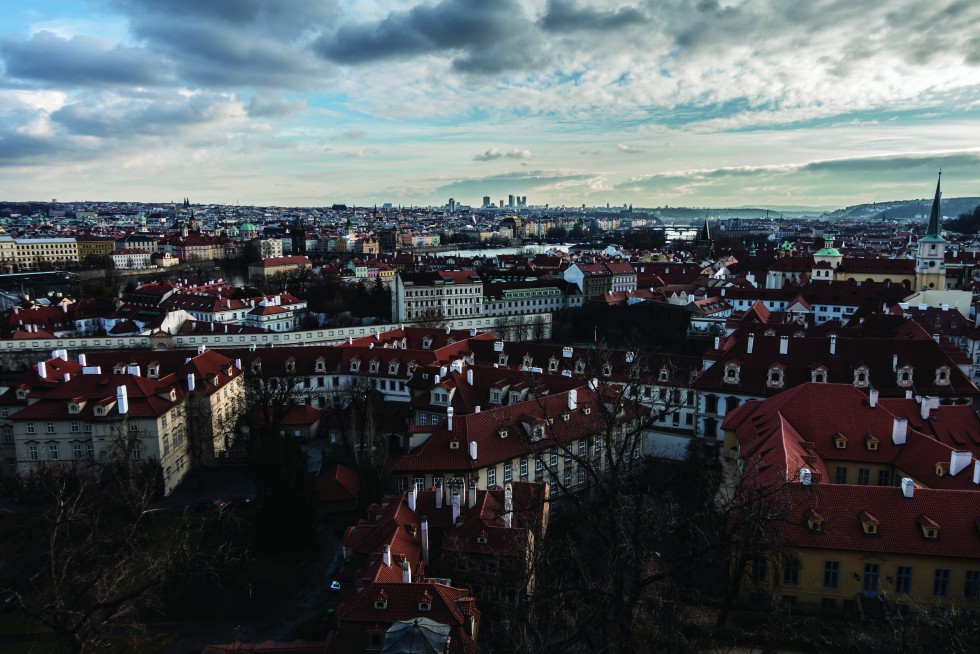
(827, 252)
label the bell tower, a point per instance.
(930, 259)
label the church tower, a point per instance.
(704, 246)
(930, 260)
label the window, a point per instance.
(791, 571)
(508, 472)
(538, 464)
(491, 477)
(133, 426)
(76, 451)
(760, 570)
(872, 574)
(4, 412)
(137, 450)
(840, 475)
(567, 480)
(581, 476)
(49, 427)
(32, 452)
(884, 477)
(420, 483)
(523, 467)
(903, 580)
(553, 460)
(30, 427)
(88, 428)
(8, 434)
(53, 452)
(831, 574)
(863, 475)
(90, 450)
(581, 447)
(940, 583)
(971, 586)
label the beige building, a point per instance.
(34, 253)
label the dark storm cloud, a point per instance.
(564, 16)
(162, 115)
(232, 43)
(80, 61)
(490, 36)
(21, 148)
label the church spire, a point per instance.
(934, 218)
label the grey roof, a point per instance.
(417, 636)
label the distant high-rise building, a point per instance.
(486, 202)
(452, 205)
(501, 204)
(510, 201)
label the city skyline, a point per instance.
(646, 103)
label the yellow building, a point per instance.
(930, 260)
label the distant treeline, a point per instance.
(965, 223)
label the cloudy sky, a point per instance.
(309, 102)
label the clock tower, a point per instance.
(930, 260)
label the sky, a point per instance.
(701, 103)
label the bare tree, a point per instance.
(92, 553)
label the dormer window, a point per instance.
(537, 433)
(814, 521)
(869, 523)
(381, 604)
(393, 368)
(482, 538)
(425, 607)
(904, 378)
(528, 360)
(502, 359)
(818, 375)
(515, 396)
(732, 371)
(411, 368)
(321, 365)
(774, 378)
(74, 407)
(355, 365)
(153, 371)
(173, 394)
(502, 433)
(374, 366)
(291, 365)
(861, 377)
(552, 364)
(607, 369)
(940, 469)
(454, 445)
(929, 527)
(100, 410)
(942, 376)
(871, 443)
(664, 375)
(579, 367)
(256, 367)
(426, 342)
(840, 442)
(22, 393)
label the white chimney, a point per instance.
(438, 490)
(908, 394)
(469, 376)
(959, 460)
(572, 399)
(448, 330)
(873, 397)
(133, 369)
(924, 406)
(806, 477)
(833, 344)
(508, 505)
(201, 348)
(900, 427)
(784, 344)
(190, 381)
(750, 344)
(894, 363)
(406, 572)
(498, 346)
(122, 399)
(42, 369)
(908, 487)
(238, 364)
(449, 418)
(945, 307)
(717, 342)
(413, 495)
(455, 508)
(67, 377)
(425, 540)
(63, 355)
(472, 493)
(386, 555)
(976, 472)
(82, 360)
